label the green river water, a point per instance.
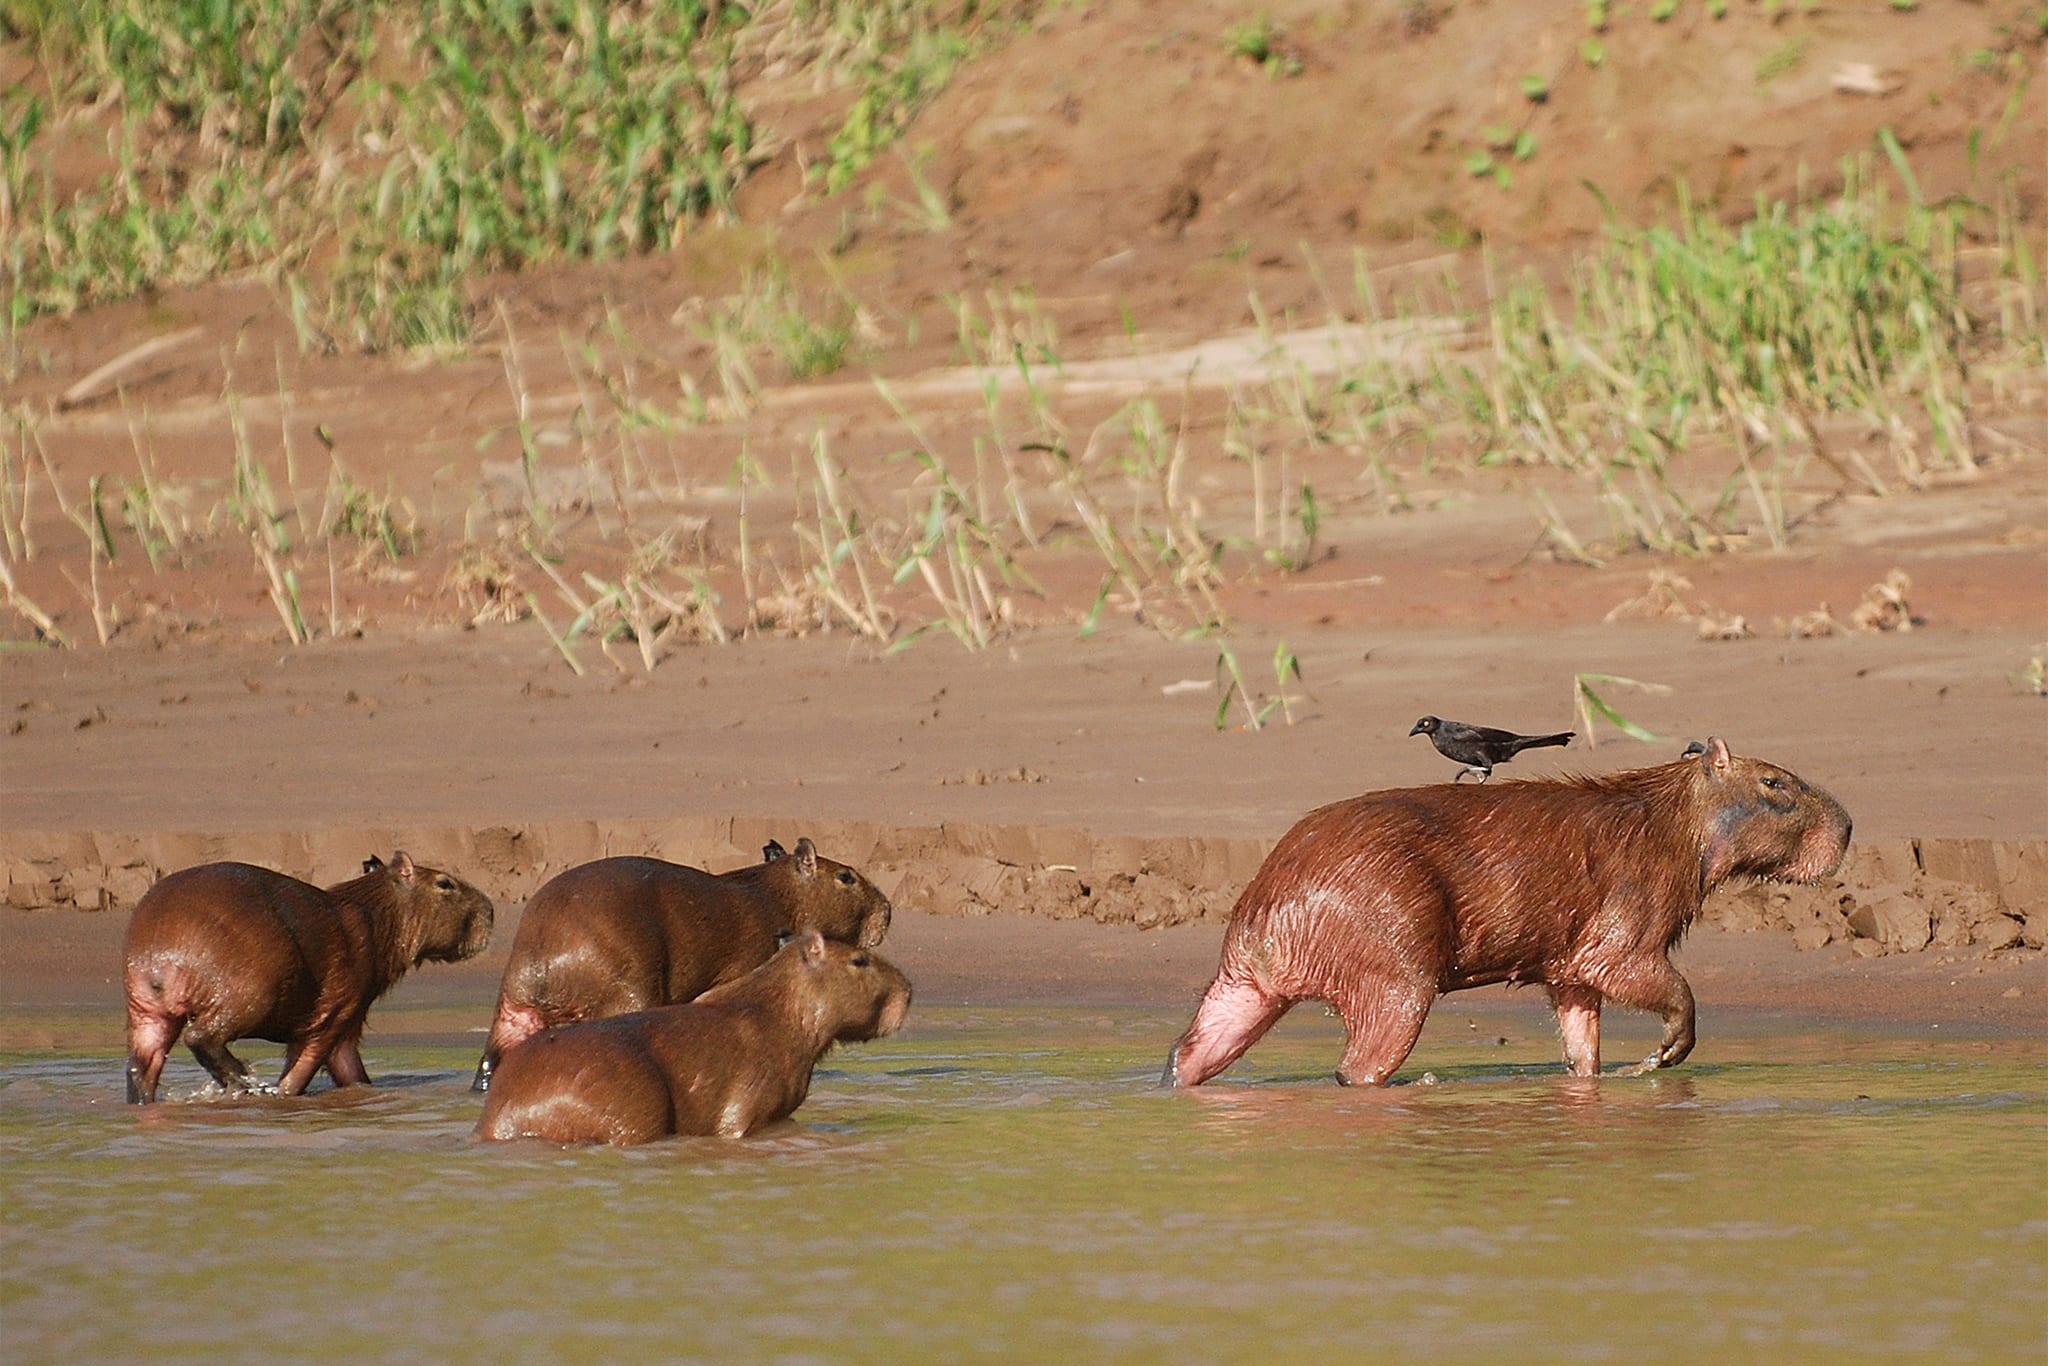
(999, 1183)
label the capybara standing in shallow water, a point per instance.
(736, 1058)
(1382, 903)
(228, 951)
(626, 934)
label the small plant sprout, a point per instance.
(1589, 704)
(1232, 688)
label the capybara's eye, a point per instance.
(1774, 784)
(860, 960)
(846, 877)
(446, 884)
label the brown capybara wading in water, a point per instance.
(228, 951)
(736, 1058)
(625, 934)
(1380, 904)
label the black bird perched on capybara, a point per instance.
(1381, 903)
(1479, 748)
(228, 951)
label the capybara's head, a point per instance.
(448, 919)
(1759, 820)
(859, 994)
(828, 897)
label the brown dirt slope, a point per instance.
(1143, 185)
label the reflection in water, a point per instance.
(1015, 1183)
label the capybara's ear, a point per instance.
(806, 856)
(1695, 747)
(372, 864)
(401, 864)
(1717, 757)
(772, 851)
(813, 949)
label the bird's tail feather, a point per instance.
(1563, 737)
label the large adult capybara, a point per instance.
(229, 951)
(736, 1058)
(624, 934)
(1382, 903)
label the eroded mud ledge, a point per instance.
(1892, 896)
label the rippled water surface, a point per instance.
(1009, 1183)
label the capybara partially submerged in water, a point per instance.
(1382, 903)
(229, 951)
(625, 934)
(736, 1058)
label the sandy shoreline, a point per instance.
(60, 980)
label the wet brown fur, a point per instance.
(228, 951)
(1383, 902)
(625, 934)
(733, 1060)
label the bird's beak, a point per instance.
(1416, 729)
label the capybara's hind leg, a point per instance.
(512, 1024)
(1232, 1017)
(224, 1067)
(1381, 1024)
(149, 1044)
(1578, 1024)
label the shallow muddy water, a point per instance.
(1009, 1183)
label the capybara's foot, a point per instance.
(1673, 1052)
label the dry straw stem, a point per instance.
(14, 506)
(22, 603)
(284, 589)
(840, 537)
(561, 643)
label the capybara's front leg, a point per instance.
(1234, 1014)
(1656, 985)
(345, 1064)
(1382, 1021)
(1578, 1024)
(301, 1061)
